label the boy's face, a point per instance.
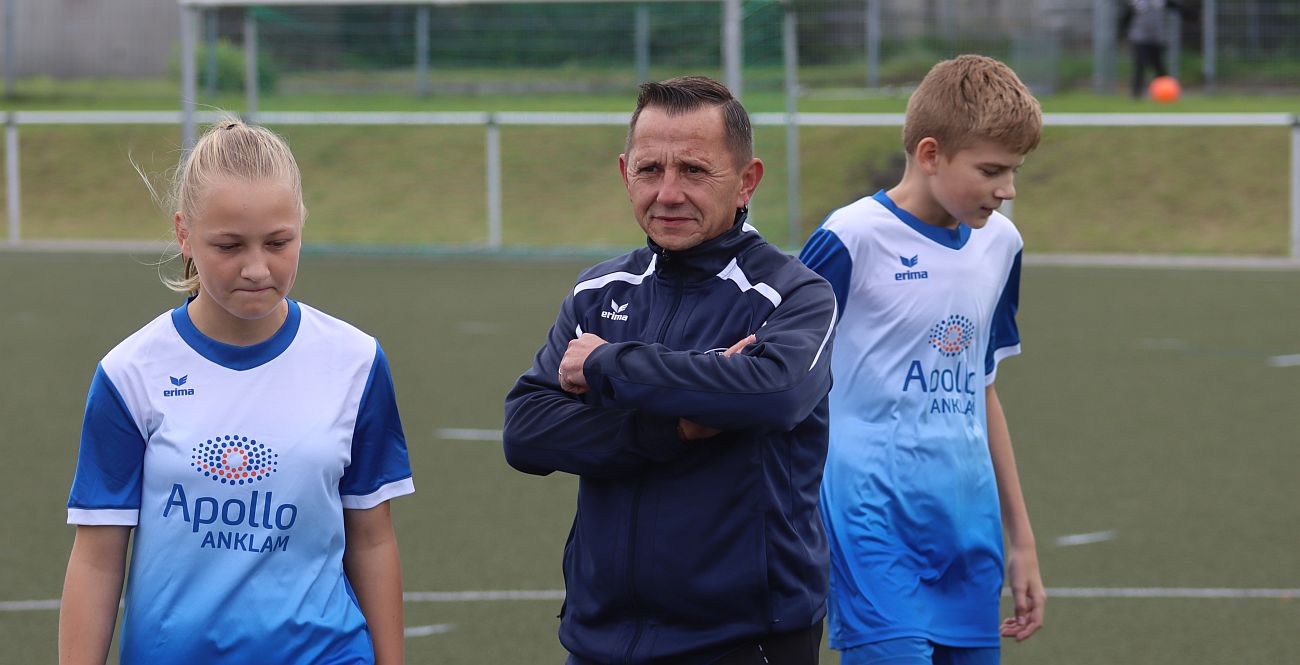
(972, 183)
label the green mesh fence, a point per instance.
(540, 48)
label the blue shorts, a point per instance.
(918, 651)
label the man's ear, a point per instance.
(750, 176)
(622, 169)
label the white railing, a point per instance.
(492, 122)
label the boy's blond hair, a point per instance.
(973, 98)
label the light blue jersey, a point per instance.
(909, 496)
(234, 465)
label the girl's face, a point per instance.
(244, 241)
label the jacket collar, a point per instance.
(707, 259)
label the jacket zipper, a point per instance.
(640, 484)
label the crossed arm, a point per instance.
(572, 379)
(621, 406)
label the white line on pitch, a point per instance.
(425, 631)
(1285, 361)
(25, 605)
(1164, 344)
(1086, 538)
(460, 434)
(1110, 592)
(470, 596)
(557, 594)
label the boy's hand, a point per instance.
(1027, 590)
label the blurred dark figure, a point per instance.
(1142, 22)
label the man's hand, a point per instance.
(572, 379)
(692, 431)
(1027, 590)
(740, 346)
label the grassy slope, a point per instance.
(1086, 189)
(1182, 190)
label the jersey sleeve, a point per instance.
(827, 256)
(1004, 335)
(110, 463)
(380, 468)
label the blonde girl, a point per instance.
(247, 443)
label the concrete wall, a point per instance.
(87, 38)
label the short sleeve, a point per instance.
(827, 256)
(110, 463)
(1004, 335)
(380, 468)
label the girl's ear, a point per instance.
(182, 234)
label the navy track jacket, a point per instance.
(682, 550)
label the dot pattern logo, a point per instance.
(952, 335)
(232, 459)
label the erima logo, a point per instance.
(178, 391)
(910, 274)
(615, 311)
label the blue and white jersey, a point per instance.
(909, 496)
(235, 464)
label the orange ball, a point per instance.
(1165, 89)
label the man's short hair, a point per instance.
(973, 98)
(684, 94)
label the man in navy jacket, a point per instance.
(686, 384)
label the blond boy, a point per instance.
(921, 480)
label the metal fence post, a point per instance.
(790, 47)
(732, 46)
(1209, 42)
(493, 181)
(11, 177)
(873, 43)
(1175, 32)
(422, 50)
(250, 65)
(210, 43)
(1295, 187)
(1101, 46)
(189, 87)
(10, 50)
(642, 39)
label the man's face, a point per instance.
(974, 182)
(682, 179)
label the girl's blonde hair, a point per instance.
(229, 149)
